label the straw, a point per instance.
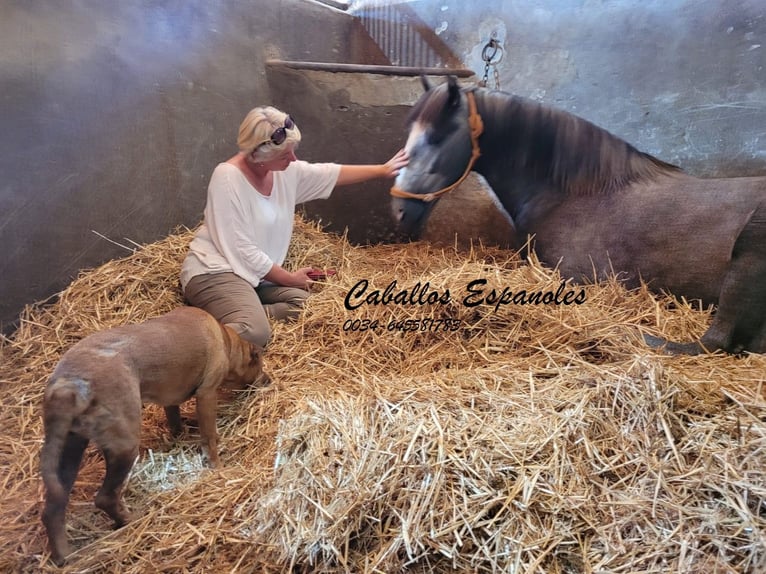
(531, 438)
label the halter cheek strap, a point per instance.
(477, 127)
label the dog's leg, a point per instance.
(57, 496)
(109, 496)
(74, 447)
(207, 403)
(54, 517)
(173, 414)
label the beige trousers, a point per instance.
(234, 302)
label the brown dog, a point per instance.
(98, 387)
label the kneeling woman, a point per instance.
(234, 266)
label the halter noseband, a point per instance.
(477, 127)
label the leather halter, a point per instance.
(477, 127)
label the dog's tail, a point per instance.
(65, 399)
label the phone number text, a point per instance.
(402, 325)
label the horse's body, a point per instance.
(595, 205)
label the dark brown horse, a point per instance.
(594, 203)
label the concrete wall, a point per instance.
(113, 114)
(681, 79)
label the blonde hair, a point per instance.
(256, 129)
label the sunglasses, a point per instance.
(279, 135)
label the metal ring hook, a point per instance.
(496, 48)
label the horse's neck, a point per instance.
(524, 200)
(534, 157)
(520, 191)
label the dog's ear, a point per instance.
(256, 354)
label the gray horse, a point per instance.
(593, 203)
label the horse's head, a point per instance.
(440, 149)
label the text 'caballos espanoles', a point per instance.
(473, 294)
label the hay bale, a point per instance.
(531, 437)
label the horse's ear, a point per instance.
(453, 92)
(425, 83)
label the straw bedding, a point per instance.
(531, 438)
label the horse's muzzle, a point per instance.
(410, 215)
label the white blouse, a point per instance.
(245, 232)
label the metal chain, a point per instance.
(492, 54)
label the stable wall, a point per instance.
(113, 115)
(681, 79)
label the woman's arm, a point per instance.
(358, 173)
(281, 276)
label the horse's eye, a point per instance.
(435, 137)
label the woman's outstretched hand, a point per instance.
(396, 163)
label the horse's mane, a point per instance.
(552, 145)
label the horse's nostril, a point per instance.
(400, 215)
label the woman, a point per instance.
(234, 266)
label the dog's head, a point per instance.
(245, 361)
(253, 372)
